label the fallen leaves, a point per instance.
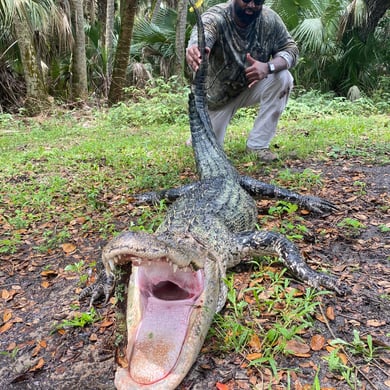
(8, 320)
(68, 248)
(376, 323)
(7, 326)
(7, 295)
(317, 342)
(39, 365)
(39, 345)
(253, 356)
(298, 348)
(221, 386)
(7, 315)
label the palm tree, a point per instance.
(36, 93)
(79, 60)
(333, 56)
(155, 42)
(180, 41)
(30, 26)
(128, 11)
(109, 35)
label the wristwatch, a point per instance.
(271, 67)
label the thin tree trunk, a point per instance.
(110, 17)
(376, 10)
(128, 11)
(79, 60)
(37, 97)
(180, 38)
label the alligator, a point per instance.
(177, 279)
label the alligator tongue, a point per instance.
(159, 339)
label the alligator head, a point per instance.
(171, 302)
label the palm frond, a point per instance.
(310, 34)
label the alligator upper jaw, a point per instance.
(169, 312)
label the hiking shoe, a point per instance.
(264, 155)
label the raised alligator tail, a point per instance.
(211, 160)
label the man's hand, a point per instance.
(256, 71)
(193, 57)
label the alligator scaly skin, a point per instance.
(209, 228)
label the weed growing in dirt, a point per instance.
(80, 320)
(360, 186)
(352, 227)
(340, 358)
(282, 207)
(79, 268)
(10, 245)
(299, 180)
(384, 228)
(338, 363)
(11, 354)
(358, 346)
(288, 223)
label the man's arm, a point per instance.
(193, 56)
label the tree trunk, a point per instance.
(376, 10)
(181, 38)
(110, 17)
(128, 11)
(79, 60)
(37, 97)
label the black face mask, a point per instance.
(244, 18)
(256, 2)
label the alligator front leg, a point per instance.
(104, 286)
(260, 243)
(154, 197)
(259, 189)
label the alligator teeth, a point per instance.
(175, 267)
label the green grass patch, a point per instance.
(266, 314)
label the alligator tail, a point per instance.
(211, 160)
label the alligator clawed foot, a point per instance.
(102, 287)
(146, 198)
(317, 205)
(341, 290)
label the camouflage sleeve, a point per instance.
(285, 45)
(210, 24)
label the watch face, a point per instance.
(271, 67)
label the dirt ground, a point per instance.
(34, 298)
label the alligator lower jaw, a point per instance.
(164, 304)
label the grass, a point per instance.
(268, 314)
(81, 168)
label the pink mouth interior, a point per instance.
(167, 300)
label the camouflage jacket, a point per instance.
(266, 37)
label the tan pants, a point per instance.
(272, 95)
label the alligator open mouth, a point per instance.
(159, 317)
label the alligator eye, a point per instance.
(169, 291)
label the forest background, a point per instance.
(75, 51)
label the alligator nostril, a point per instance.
(169, 291)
